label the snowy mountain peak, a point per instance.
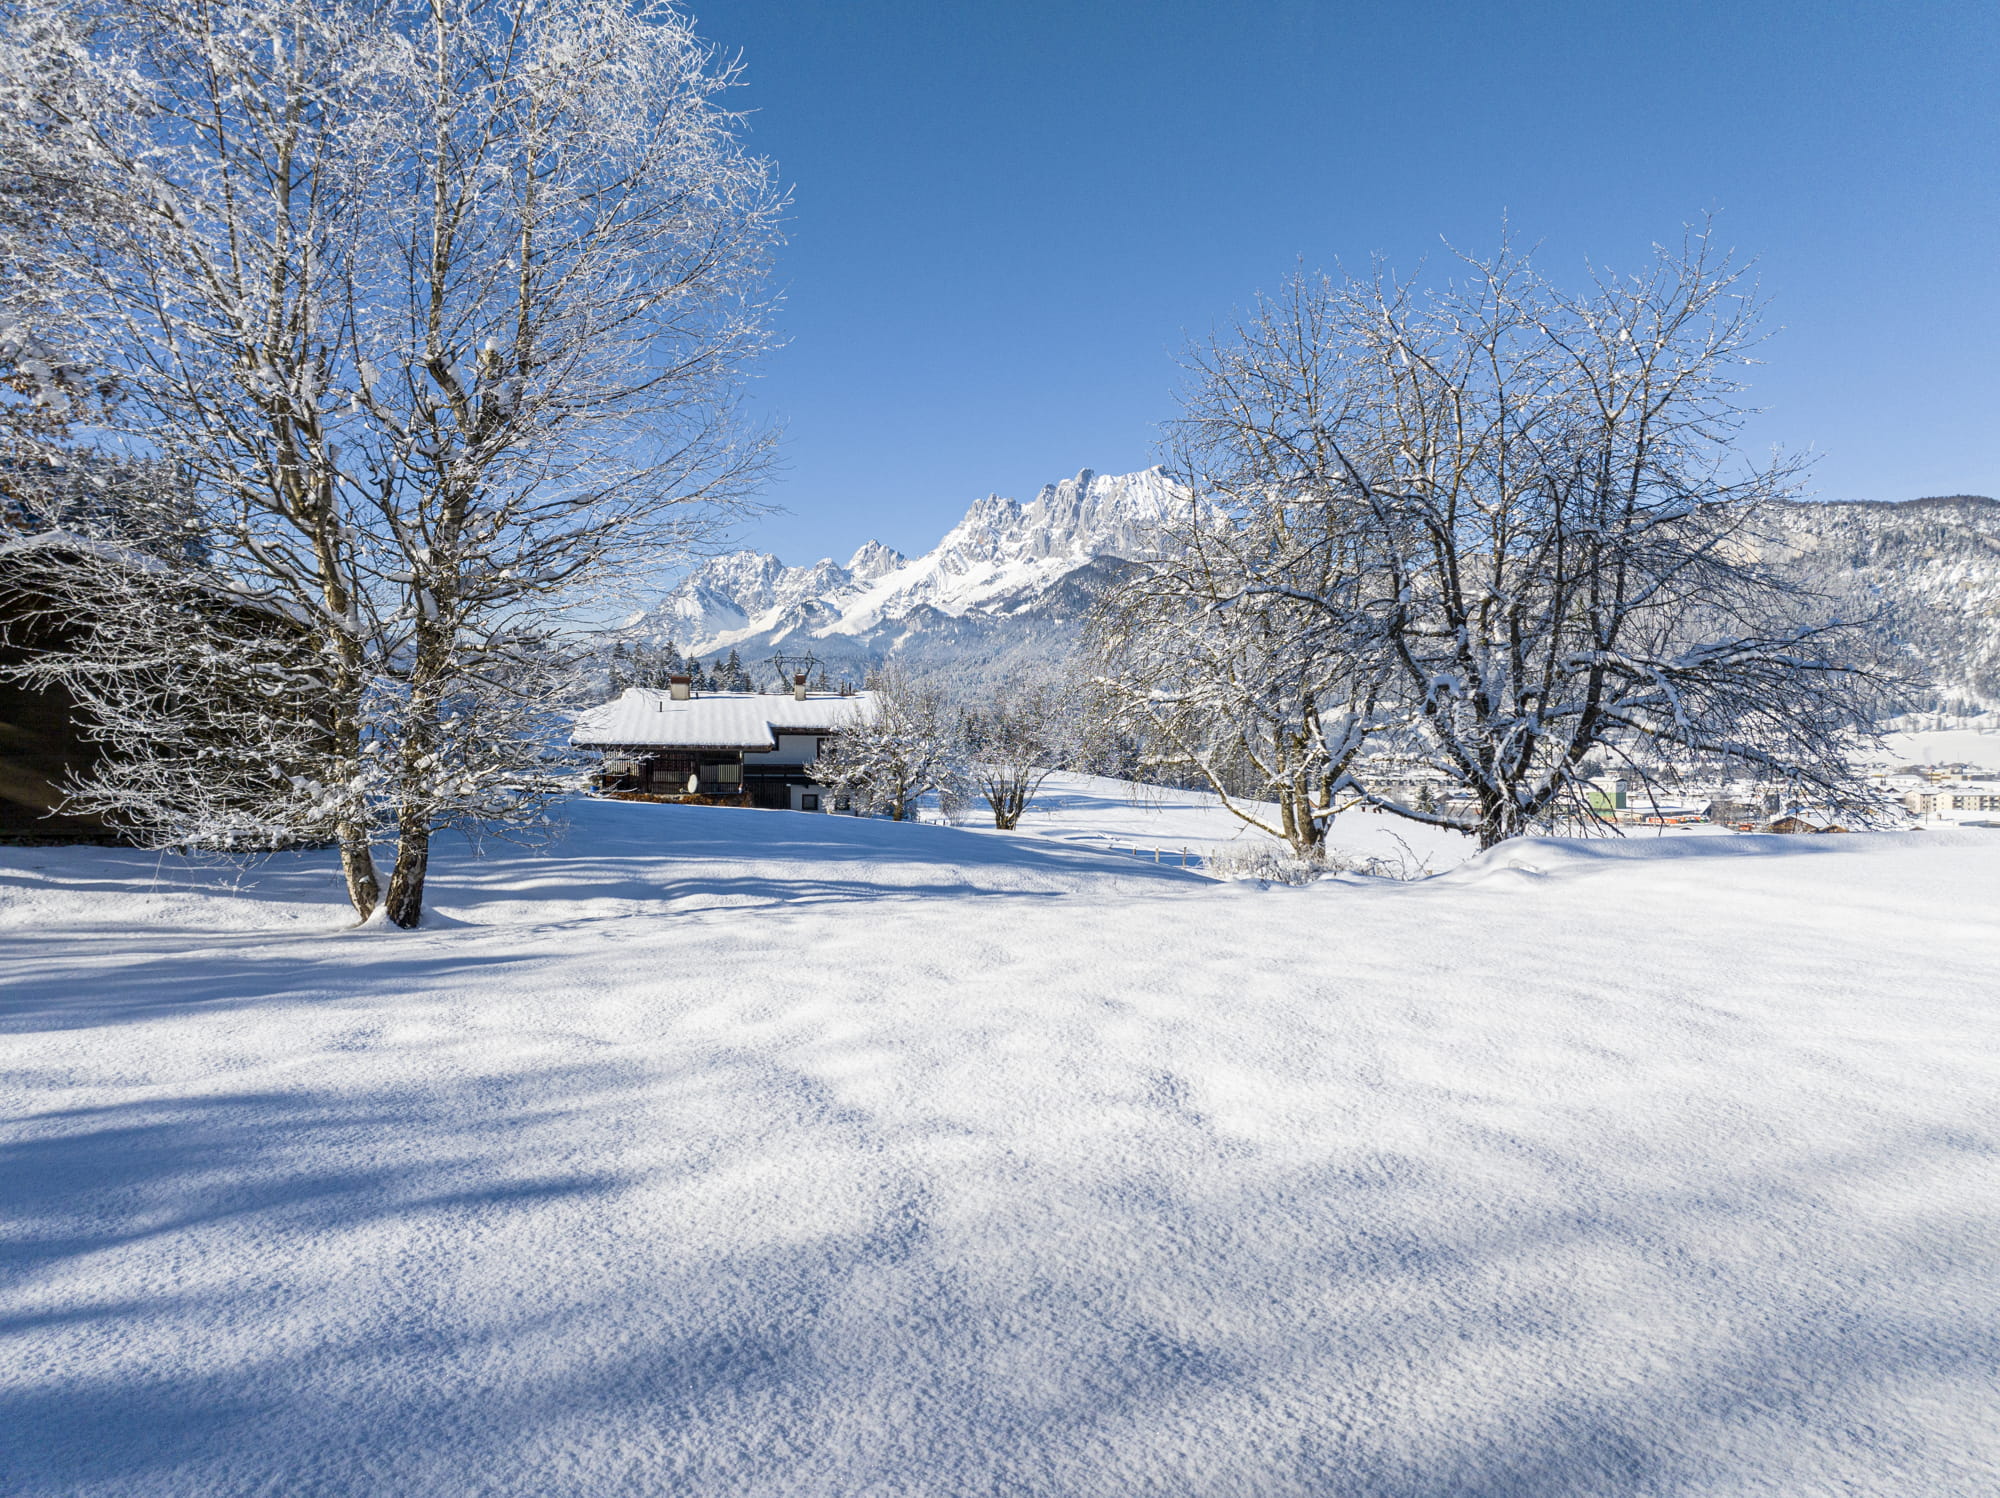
(1078, 519)
(872, 560)
(1012, 582)
(1000, 557)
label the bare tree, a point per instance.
(1030, 724)
(221, 175)
(913, 745)
(438, 305)
(582, 230)
(1263, 698)
(1538, 540)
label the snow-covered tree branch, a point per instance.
(1020, 731)
(914, 745)
(437, 306)
(1240, 656)
(1507, 527)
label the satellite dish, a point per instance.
(694, 781)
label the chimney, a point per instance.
(798, 686)
(679, 686)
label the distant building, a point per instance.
(1952, 798)
(728, 748)
(1803, 821)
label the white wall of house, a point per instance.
(793, 749)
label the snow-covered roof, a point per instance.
(62, 540)
(126, 556)
(646, 717)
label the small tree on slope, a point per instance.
(915, 744)
(1265, 699)
(1031, 724)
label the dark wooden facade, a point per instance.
(716, 776)
(43, 736)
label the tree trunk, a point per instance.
(1008, 802)
(413, 858)
(1303, 830)
(417, 769)
(1498, 819)
(357, 863)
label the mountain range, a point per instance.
(1012, 582)
(1009, 581)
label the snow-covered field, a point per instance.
(1183, 828)
(1979, 747)
(730, 1152)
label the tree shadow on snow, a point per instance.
(1360, 1328)
(46, 990)
(222, 1189)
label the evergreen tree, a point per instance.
(667, 662)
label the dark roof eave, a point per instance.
(672, 748)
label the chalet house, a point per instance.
(731, 748)
(1803, 821)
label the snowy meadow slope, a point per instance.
(755, 1153)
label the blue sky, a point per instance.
(1009, 216)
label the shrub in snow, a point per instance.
(913, 747)
(1275, 863)
(1268, 863)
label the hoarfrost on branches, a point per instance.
(436, 308)
(1480, 538)
(1020, 731)
(914, 745)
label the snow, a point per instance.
(999, 552)
(714, 720)
(1978, 747)
(734, 1152)
(1165, 824)
(1001, 548)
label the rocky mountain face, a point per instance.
(1012, 582)
(1926, 570)
(1009, 581)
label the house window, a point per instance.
(723, 774)
(809, 801)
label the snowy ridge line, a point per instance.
(1012, 582)
(999, 558)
